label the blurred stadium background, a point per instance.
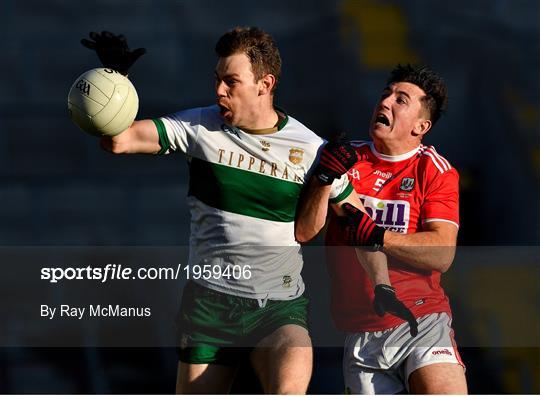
(58, 188)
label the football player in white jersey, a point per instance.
(245, 79)
(248, 163)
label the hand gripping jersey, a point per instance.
(243, 192)
(401, 193)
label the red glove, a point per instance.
(336, 159)
(361, 230)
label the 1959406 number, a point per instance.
(208, 271)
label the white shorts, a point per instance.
(380, 362)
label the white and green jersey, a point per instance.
(243, 193)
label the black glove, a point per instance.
(113, 51)
(337, 157)
(360, 229)
(386, 301)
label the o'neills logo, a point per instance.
(296, 155)
(442, 352)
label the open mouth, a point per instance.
(222, 109)
(382, 119)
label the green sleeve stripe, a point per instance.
(345, 193)
(163, 138)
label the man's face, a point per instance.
(398, 115)
(237, 91)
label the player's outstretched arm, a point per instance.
(432, 249)
(376, 266)
(140, 138)
(114, 53)
(374, 263)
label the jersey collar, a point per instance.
(283, 118)
(393, 158)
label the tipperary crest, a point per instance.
(407, 184)
(296, 155)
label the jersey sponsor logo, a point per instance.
(393, 215)
(442, 352)
(296, 155)
(230, 129)
(384, 175)
(250, 163)
(407, 184)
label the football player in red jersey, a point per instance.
(410, 194)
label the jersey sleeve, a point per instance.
(341, 189)
(178, 131)
(441, 202)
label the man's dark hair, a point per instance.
(430, 82)
(259, 46)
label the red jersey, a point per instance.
(400, 193)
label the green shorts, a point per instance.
(221, 328)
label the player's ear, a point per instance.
(422, 126)
(266, 84)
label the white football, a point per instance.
(103, 102)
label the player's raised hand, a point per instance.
(360, 229)
(113, 50)
(337, 157)
(386, 301)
